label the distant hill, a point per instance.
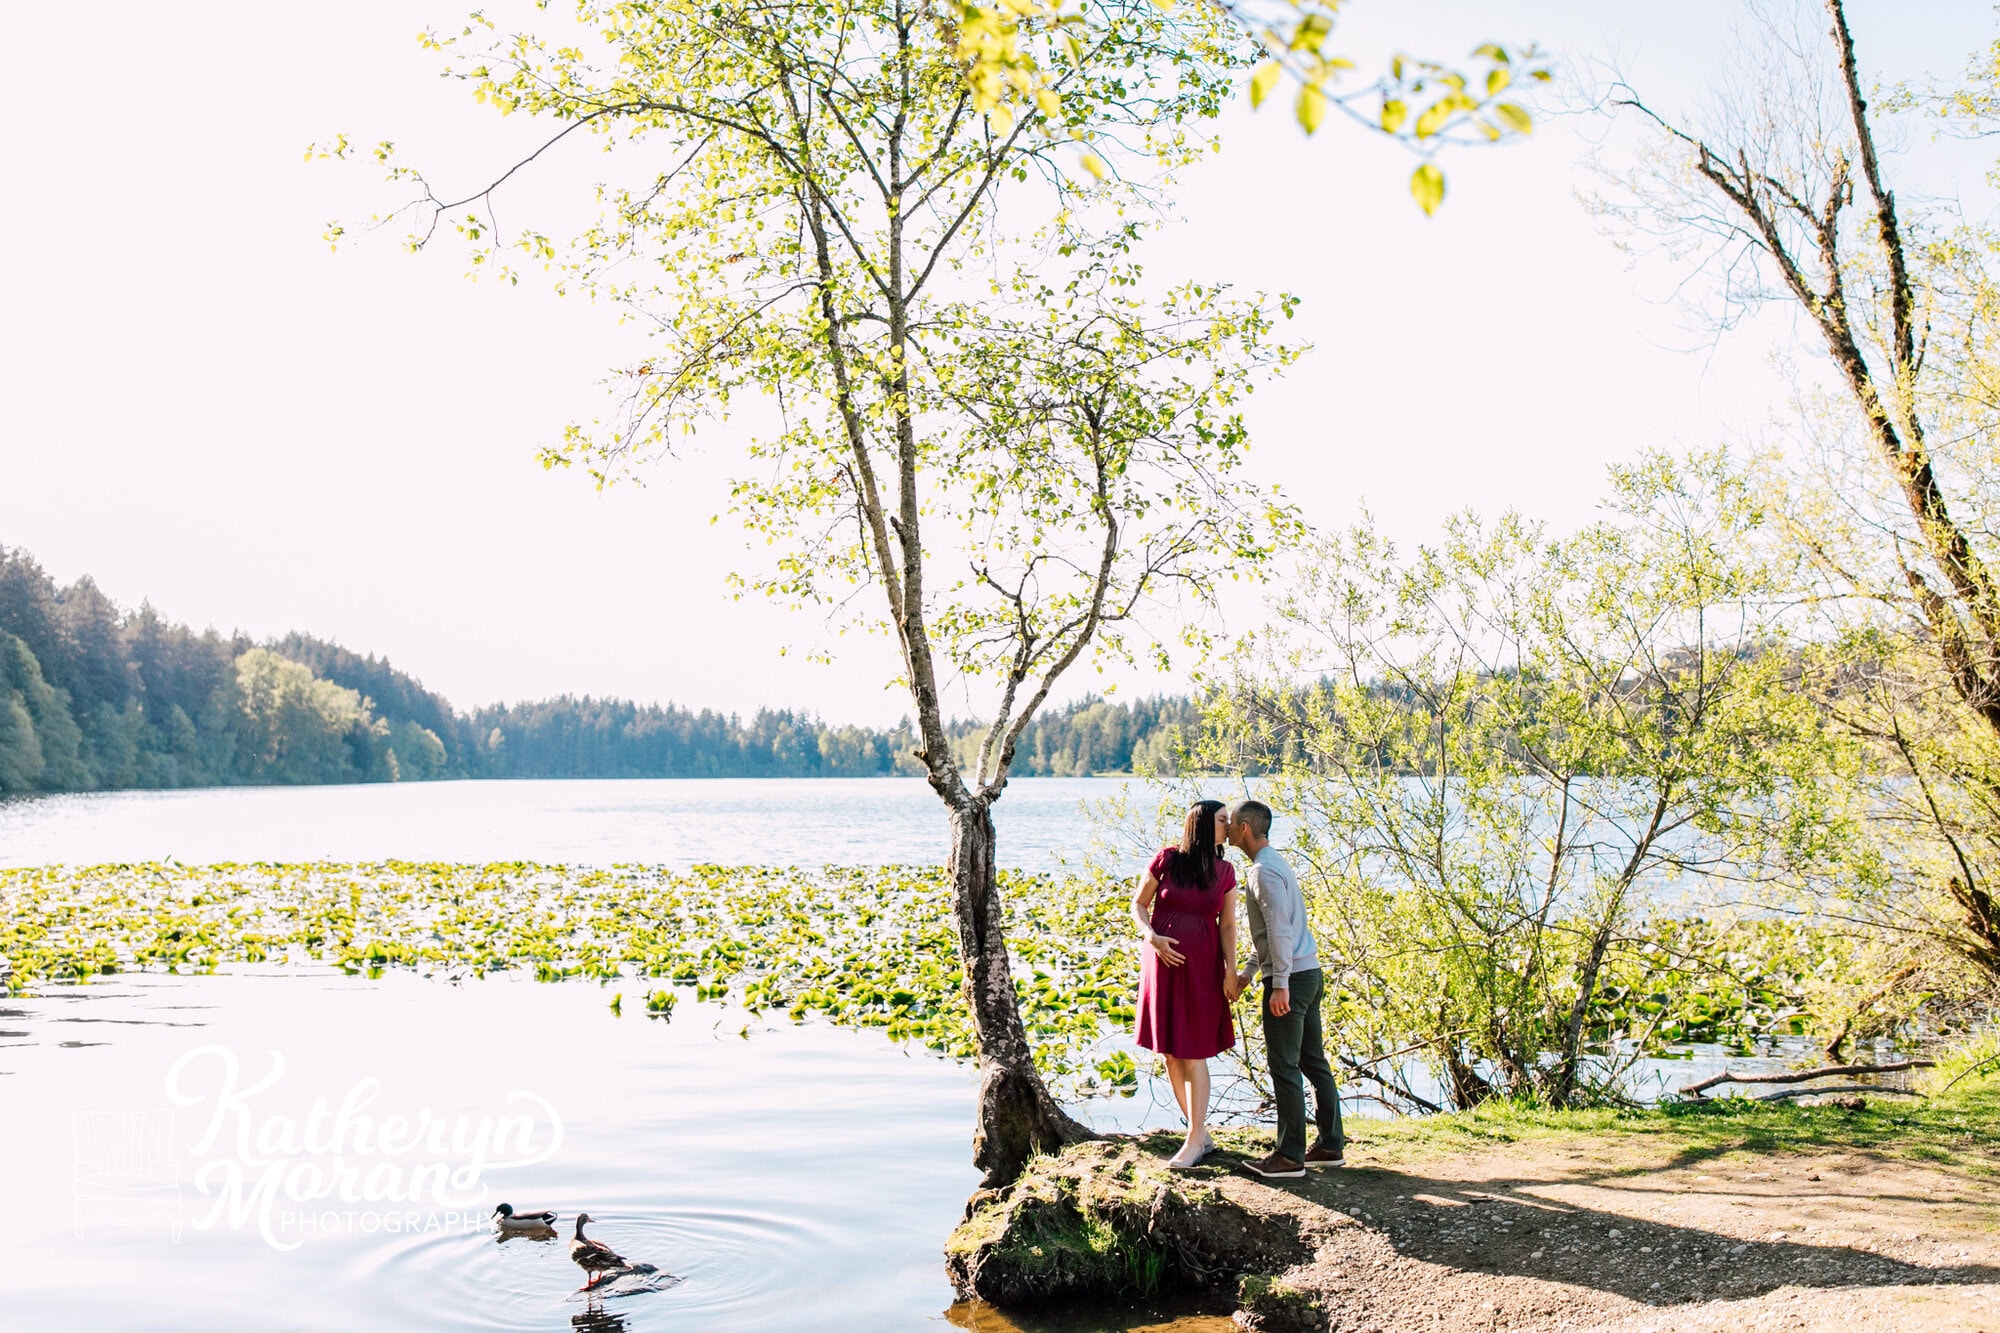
(94, 697)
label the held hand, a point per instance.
(1232, 986)
(1163, 945)
(1281, 1001)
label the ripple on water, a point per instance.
(717, 1269)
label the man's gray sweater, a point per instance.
(1278, 929)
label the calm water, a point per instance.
(780, 1176)
(790, 1176)
(746, 821)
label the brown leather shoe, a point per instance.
(1275, 1167)
(1320, 1155)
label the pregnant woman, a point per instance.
(1186, 910)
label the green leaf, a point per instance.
(1263, 81)
(1427, 185)
(1434, 117)
(1312, 107)
(1497, 78)
(1517, 118)
(1311, 32)
(1492, 51)
(1394, 112)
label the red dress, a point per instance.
(1181, 1009)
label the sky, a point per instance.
(203, 406)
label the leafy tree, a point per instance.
(111, 737)
(294, 727)
(415, 753)
(1012, 467)
(20, 749)
(1496, 747)
(1783, 193)
(56, 760)
(1021, 56)
(392, 695)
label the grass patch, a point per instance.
(1958, 1129)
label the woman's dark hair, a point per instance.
(1197, 856)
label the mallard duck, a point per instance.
(593, 1256)
(508, 1220)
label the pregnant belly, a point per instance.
(1179, 923)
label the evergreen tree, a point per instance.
(95, 698)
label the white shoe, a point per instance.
(1189, 1156)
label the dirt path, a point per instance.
(1611, 1235)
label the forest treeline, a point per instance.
(95, 697)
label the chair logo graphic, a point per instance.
(125, 1173)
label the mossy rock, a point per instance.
(1267, 1304)
(1107, 1219)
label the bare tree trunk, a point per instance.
(1017, 1116)
(1468, 1089)
(1562, 1087)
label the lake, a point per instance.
(779, 1174)
(673, 822)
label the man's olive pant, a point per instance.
(1295, 1048)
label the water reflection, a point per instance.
(524, 1233)
(803, 1179)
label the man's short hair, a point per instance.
(1254, 813)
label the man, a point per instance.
(1289, 961)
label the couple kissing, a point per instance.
(1185, 907)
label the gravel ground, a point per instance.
(1613, 1236)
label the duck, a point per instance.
(593, 1256)
(508, 1220)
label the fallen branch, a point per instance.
(1363, 1071)
(1829, 1071)
(1395, 1108)
(1845, 1087)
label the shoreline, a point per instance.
(1688, 1217)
